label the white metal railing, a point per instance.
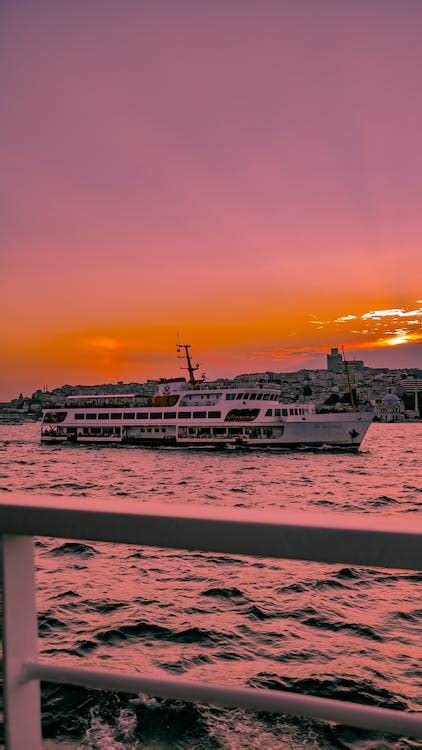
(355, 540)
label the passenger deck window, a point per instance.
(230, 396)
(199, 414)
(116, 415)
(104, 416)
(55, 416)
(259, 396)
(214, 414)
(169, 415)
(185, 414)
(284, 412)
(129, 415)
(156, 415)
(79, 416)
(276, 412)
(269, 413)
(90, 416)
(252, 396)
(239, 395)
(142, 415)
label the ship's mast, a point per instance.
(184, 348)
(349, 383)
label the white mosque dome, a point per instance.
(390, 399)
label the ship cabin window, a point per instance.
(156, 415)
(55, 416)
(239, 395)
(104, 416)
(156, 429)
(129, 415)
(116, 414)
(277, 413)
(184, 414)
(296, 412)
(199, 414)
(252, 396)
(266, 396)
(284, 412)
(142, 415)
(90, 416)
(230, 396)
(241, 415)
(169, 415)
(259, 396)
(214, 414)
(79, 416)
(269, 413)
(245, 396)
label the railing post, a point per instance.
(21, 696)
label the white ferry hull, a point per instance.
(315, 431)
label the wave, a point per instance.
(103, 719)
(145, 629)
(364, 631)
(232, 593)
(341, 688)
(48, 623)
(73, 548)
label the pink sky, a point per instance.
(237, 171)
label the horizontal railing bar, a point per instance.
(295, 704)
(394, 542)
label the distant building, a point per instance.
(334, 361)
(356, 364)
(413, 386)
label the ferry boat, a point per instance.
(193, 413)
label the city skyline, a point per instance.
(251, 179)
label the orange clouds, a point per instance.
(257, 336)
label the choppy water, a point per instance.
(313, 628)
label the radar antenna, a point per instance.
(184, 353)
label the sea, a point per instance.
(328, 630)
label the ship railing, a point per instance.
(257, 385)
(337, 539)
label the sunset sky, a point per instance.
(246, 173)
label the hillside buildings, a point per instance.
(394, 395)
